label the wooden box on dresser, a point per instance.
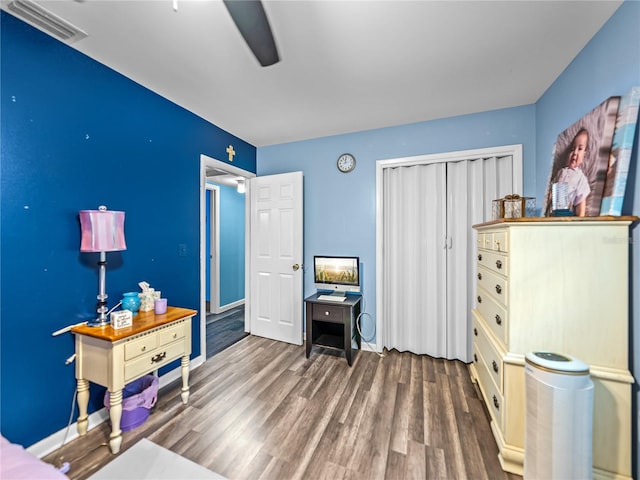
(558, 285)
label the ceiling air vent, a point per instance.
(46, 21)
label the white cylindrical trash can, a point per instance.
(559, 417)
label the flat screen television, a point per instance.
(337, 274)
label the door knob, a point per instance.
(296, 267)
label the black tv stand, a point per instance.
(332, 324)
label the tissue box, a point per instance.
(147, 299)
(121, 319)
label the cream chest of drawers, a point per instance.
(559, 285)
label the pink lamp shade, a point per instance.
(102, 230)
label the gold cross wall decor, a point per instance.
(231, 152)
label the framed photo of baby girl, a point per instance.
(580, 162)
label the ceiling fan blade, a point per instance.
(251, 19)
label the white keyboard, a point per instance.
(332, 298)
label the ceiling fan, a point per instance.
(251, 20)
(248, 15)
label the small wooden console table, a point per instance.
(333, 324)
(113, 358)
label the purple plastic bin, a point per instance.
(138, 397)
(133, 418)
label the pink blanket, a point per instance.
(16, 464)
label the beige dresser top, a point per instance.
(627, 218)
(142, 322)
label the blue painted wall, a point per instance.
(232, 242)
(75, 135)
(340, 209)
(232, 224)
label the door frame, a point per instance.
(514, 150)
(206, 161)
(213, 196)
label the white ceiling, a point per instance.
(345, 66)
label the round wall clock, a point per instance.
(346, 162)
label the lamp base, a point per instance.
(97, 322)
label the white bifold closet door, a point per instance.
(428, 241)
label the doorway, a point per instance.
(215, 176)
(225, 212)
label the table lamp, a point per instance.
(102, 232)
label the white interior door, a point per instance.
(276, 257)
(415, 245)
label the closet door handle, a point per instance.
(479, 257)
(475, 332)
(479, 299)
(498, 264)
(496, 403)
(479, 276)
(498, 289)
(498, 319)
(475, 357)
(495, 366)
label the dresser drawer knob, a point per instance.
(479, 276)
(479, 257)
(498, 289)
(143, 348)
(495, 402)
(479, 299)
(475, 358)
(498, 319)
(494, 365)
(475, 332)
(326, 313)
(498, 264)
(175, 335)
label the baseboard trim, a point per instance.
(368, 348)
(223, 308)
(54, 441)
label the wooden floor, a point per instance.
(224, 330)
(261, 410)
